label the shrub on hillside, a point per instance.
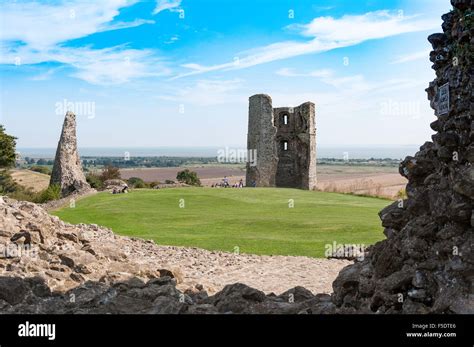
(53, 192)
(16, 191)
(110, 173)
(41, 169)
(95, 181)
(136, 182)
(169, 182)
(188, 177)
(24, 194)
(7, 184)
(153, 184)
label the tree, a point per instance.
(188, 177)
(7, 149)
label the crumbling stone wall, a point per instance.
(285, 142)
(426, 264)
(261, 138)
(67, 169)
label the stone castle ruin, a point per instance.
(67, 169)
(425, 264)
(284, 140)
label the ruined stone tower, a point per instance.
(284, 139)
(67, 169)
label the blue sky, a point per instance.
(179, 73)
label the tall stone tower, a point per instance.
(67, 169)
(261, 139)
(285, 143)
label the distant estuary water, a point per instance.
(333, 152)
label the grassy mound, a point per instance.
(251, 220)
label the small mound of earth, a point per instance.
(49, 266)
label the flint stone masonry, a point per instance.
(285, 143)
(67, 169)
(426, 264)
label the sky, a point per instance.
(180, 72)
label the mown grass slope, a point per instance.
(256, 220)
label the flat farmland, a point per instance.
(363, 180)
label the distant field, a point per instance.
(31, 179)
(364, 180)
(256, 220)
(206, 173)
(361, 180)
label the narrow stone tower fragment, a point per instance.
(285, 143)
(67, 169)
(261, 139)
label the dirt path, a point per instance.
(274, 274)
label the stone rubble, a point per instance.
(426, 264)
(49, 266)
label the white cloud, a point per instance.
(288, 72)
(327, 33)
(351, 29)
(355, 83)
(43, 25)
(114, 65)
(55, 24)
(163, 5)
(125, 25)
(46, 75)
(412, 57)
(173, 39)
(323, 8)
(208, 92)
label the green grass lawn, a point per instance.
(257, 220)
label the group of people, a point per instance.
(225, 184)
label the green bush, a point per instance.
(7, 184)
(53, 192)
(24, 194)
(95, 181)
(188, 177)
(15, 191)
(153, 184)
(41, 169)
(110, 173)
(136, 182)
